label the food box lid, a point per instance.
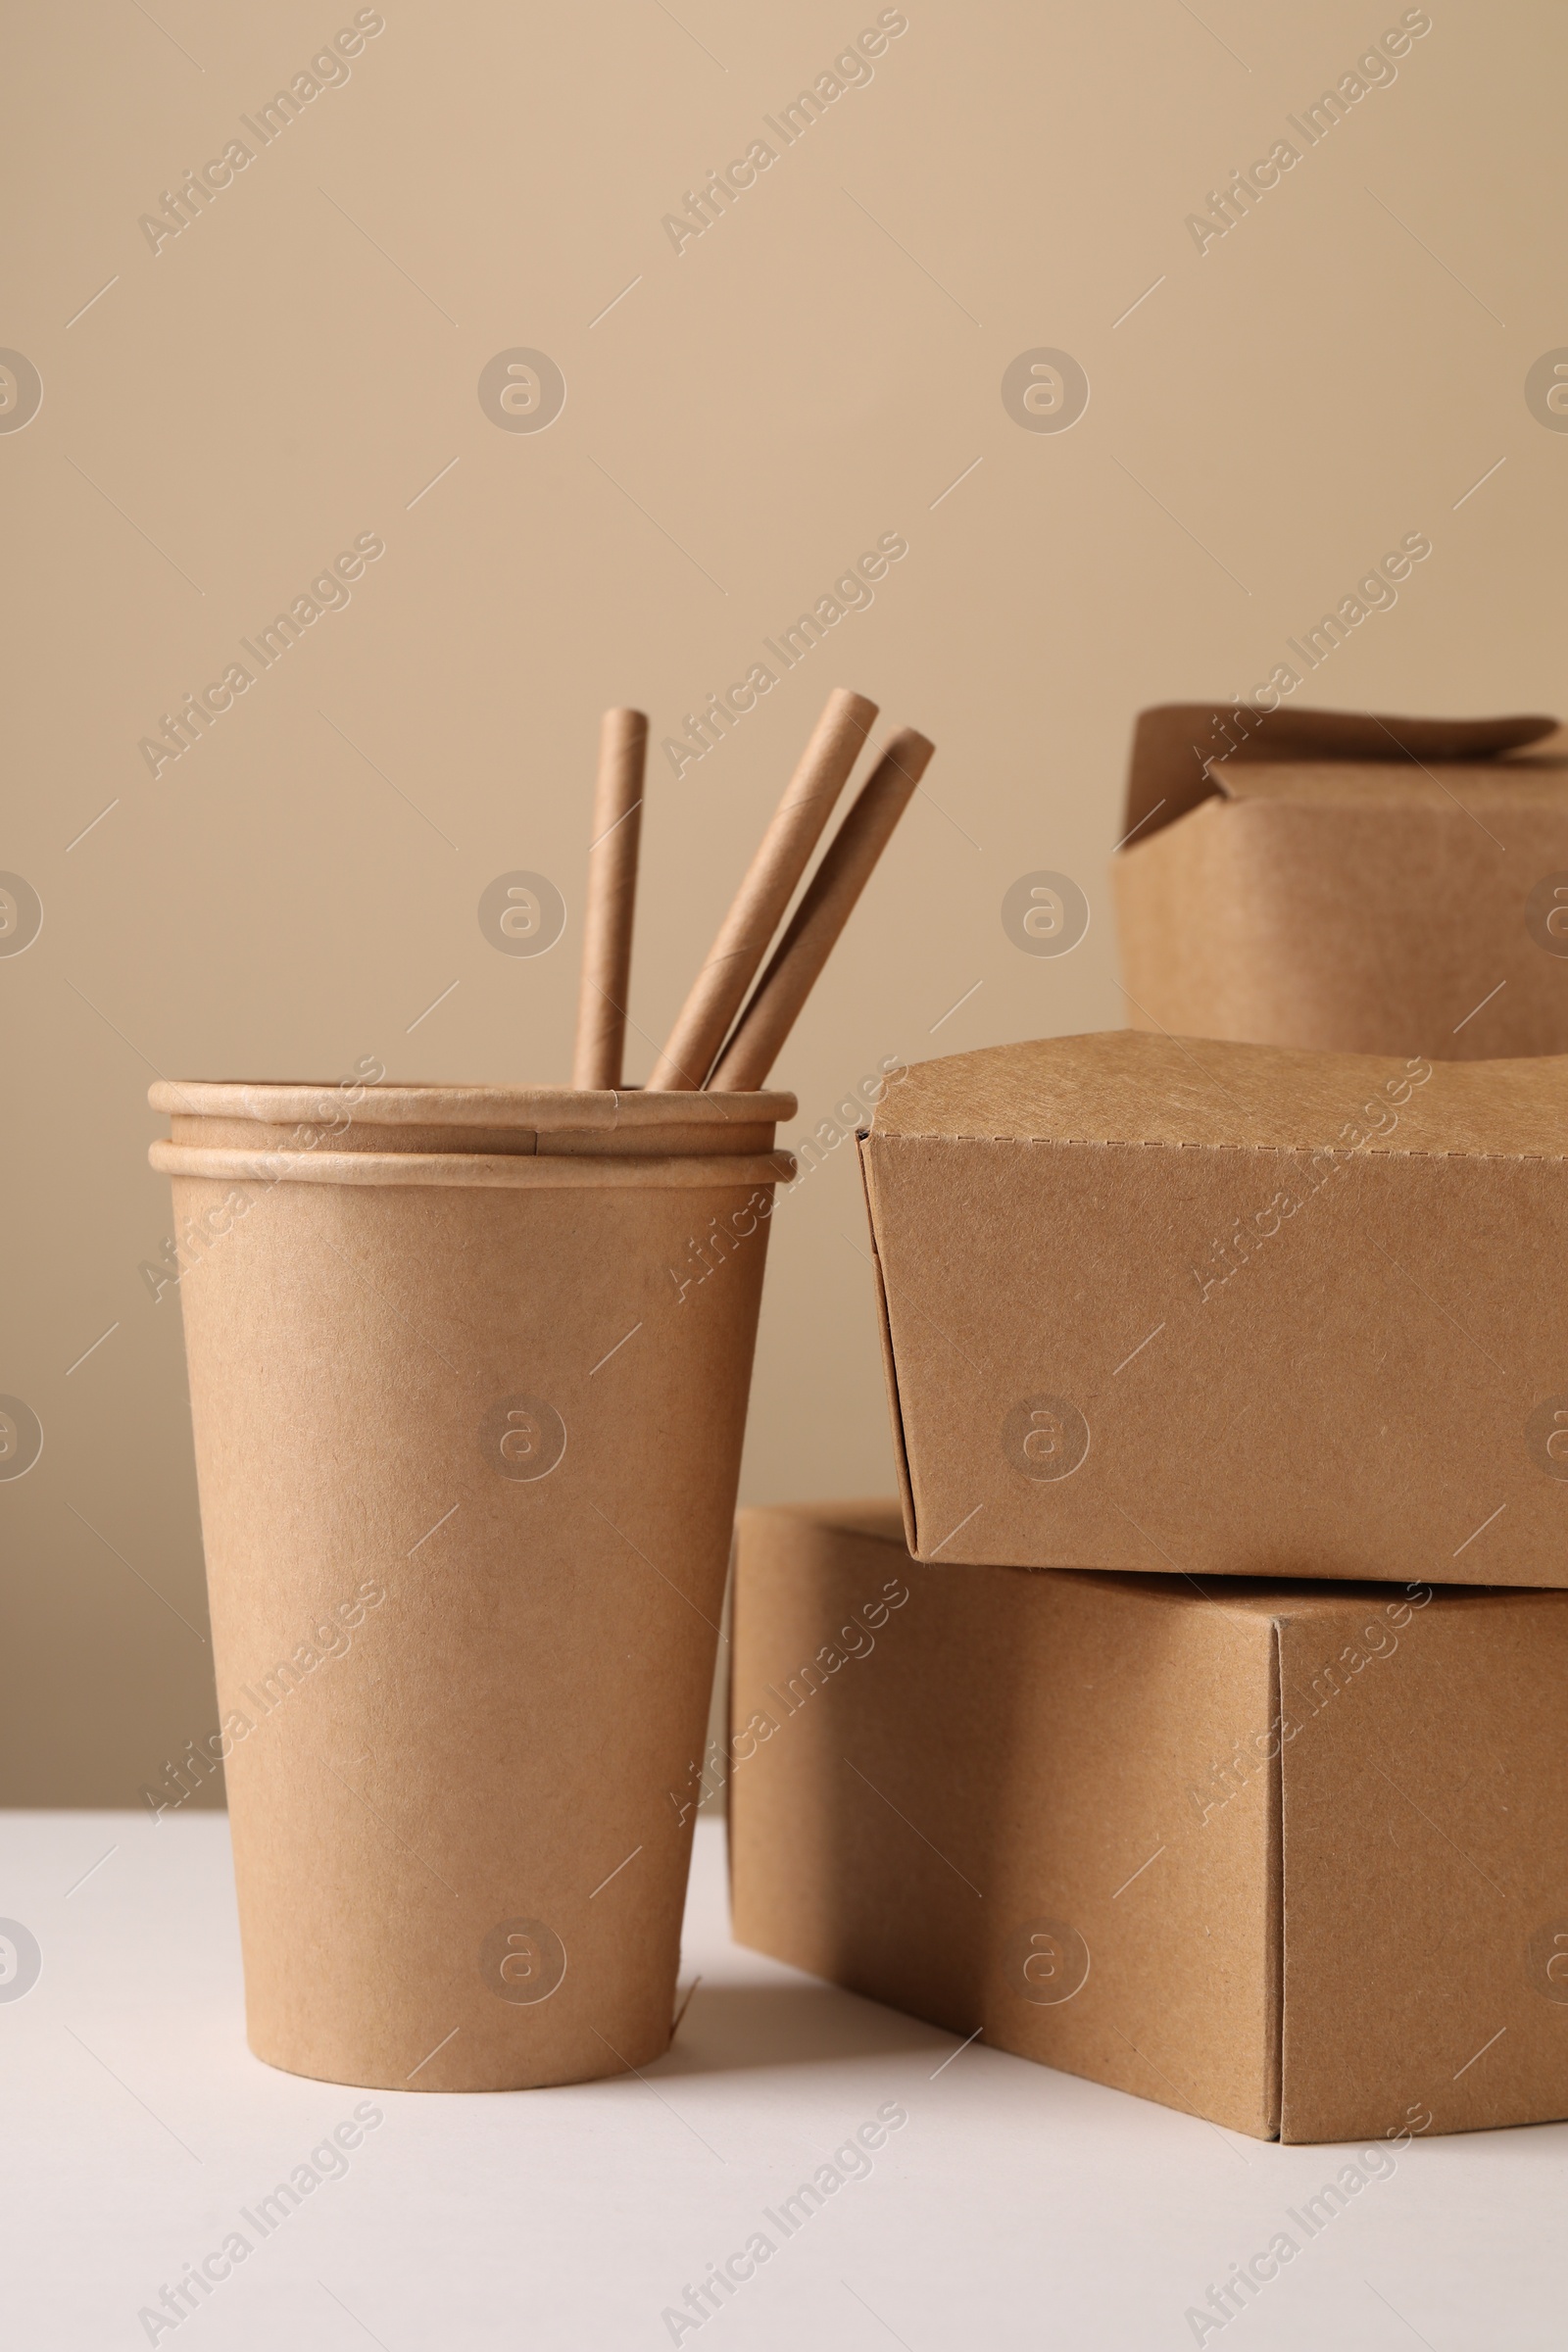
(1132, 1087)
(1184, 753)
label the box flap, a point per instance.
(1530, 780)
(1177, 745)
(889, 1368)
(1132, 1087)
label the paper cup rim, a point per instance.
(545, 1109)
(494, 1171)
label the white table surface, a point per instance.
(1017, 2207)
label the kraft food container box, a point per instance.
(1355, 883)
(1292, 1857)
(1218, 1309)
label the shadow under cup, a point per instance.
(469, 1371)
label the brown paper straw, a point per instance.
(611, 900)
(719, 989)
(846, 868)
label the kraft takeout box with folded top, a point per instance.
(459, 1392)
(1356, 884)
(1162, 1303)
(1293, 1858)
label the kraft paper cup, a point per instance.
(468, 1370)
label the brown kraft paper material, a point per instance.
(1342, 881)
(1168, 1304)
(467, 1434)
(1288, 1857)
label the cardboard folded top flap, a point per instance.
(1127, 1086)
(1185, 752)
(1530, 780)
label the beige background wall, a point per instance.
(743, 417)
